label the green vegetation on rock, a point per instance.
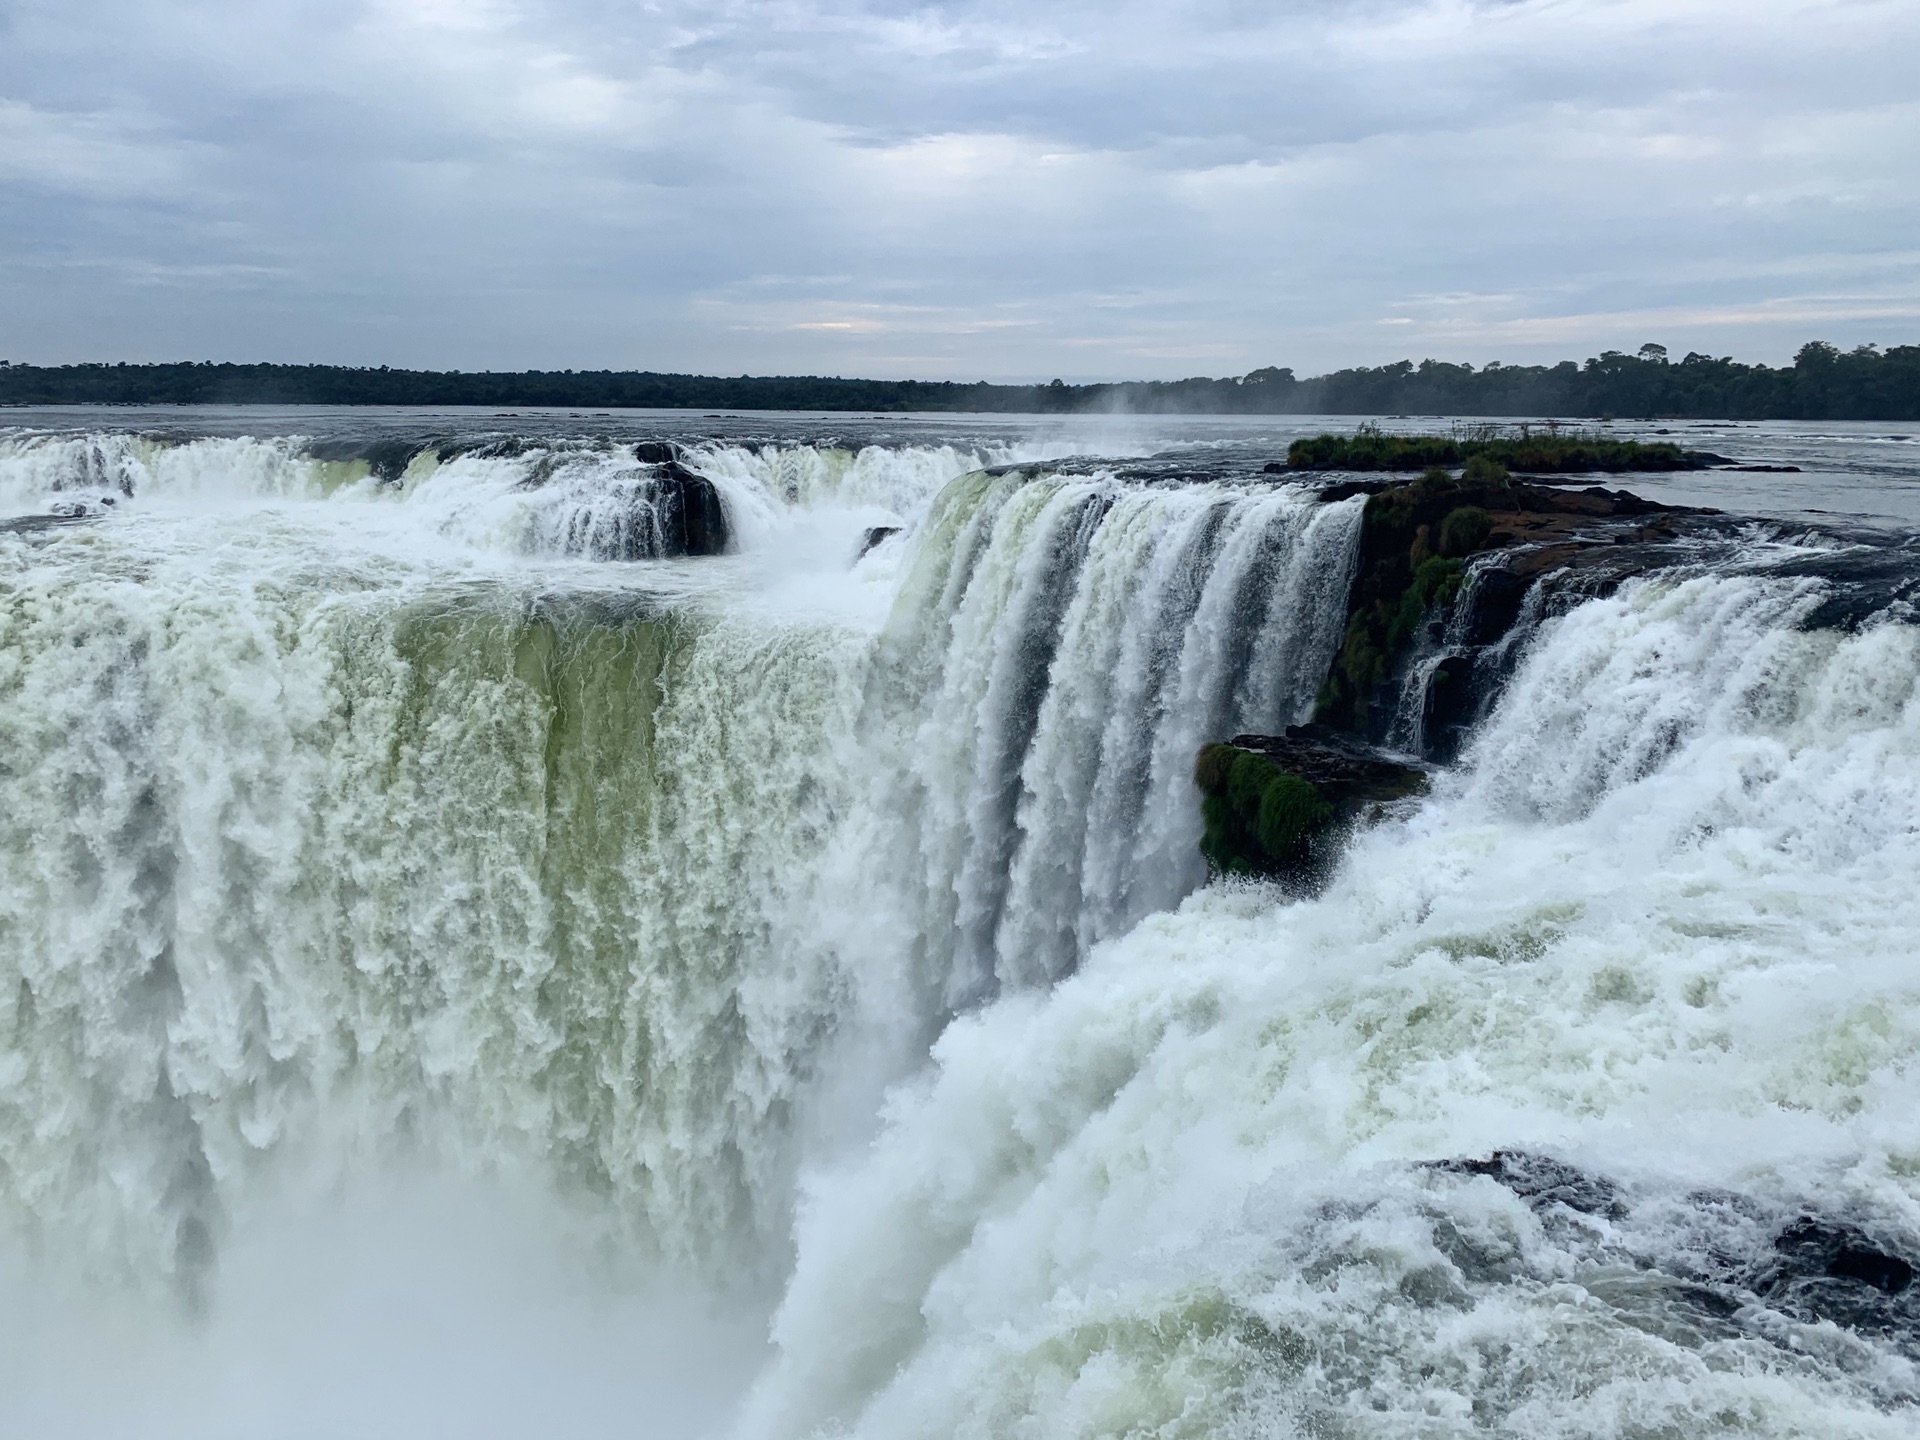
(1415, 540)
(1260, 819)
(1480, 448)
(1464, 531)
(1483, 470)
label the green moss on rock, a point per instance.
(1436, 581)
(1416, 540)
(1260, 819)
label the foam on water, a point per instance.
(550, 497)
(376, 839)
(345, 832)
(1661, 926)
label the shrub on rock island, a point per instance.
(1259, 818)
(1464, 531)
(1489, 451)
(1482, 470)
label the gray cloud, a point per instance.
(992, 189)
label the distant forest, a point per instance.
(1823, 383)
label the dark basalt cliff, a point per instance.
(1446, 569)
(1421, 565)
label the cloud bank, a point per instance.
(1130, 188)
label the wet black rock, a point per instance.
(1866, 578)
(692, 520)
(1823, 1269)
(1348, 773)
(694, 502)
(672, 514)
(1733, 1263)
(34, 524)
(1542, 1181)
(1812, 1247)
(88, 508)
(874, 535)
(1447, 562)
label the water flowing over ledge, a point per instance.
(527, 870)
(1179, 1188)
(357, 820)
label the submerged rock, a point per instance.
(33, 524)
(1811, 1246)
(386, 457)
(1729, 1262)
(1826, 1270)
(1541, 1181)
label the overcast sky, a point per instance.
(1083, 188)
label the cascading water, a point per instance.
(368, 814)
(375, 843)
(1659, 925)
(1062, 649)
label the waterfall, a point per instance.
(825, 921)
(495, 874)
(331, 843)
(1657, 925)
(1087, 638)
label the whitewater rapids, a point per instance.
(399, 902)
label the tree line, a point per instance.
(1823, 383)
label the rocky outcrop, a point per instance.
(1723, 1263)
(691, 514)
(1446, 568)
(1276, 805)
(1527, 451)
(1461, 553)
(687, 514)
(689, 517)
